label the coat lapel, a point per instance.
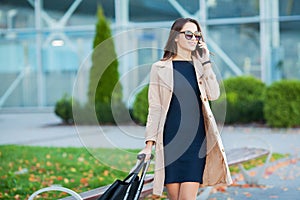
(165, 73)
(198, 67)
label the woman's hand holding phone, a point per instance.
(203, 51)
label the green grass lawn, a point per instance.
(26, 169)
(74, 168)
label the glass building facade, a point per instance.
(43, 44)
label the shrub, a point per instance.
(63, 109)
(140, 106)
(84, 114)
(244, 99)
(282, 104)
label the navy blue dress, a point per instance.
(184, 131)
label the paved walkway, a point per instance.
(282, 180)
(45, 129)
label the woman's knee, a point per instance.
(172, 196)
(173, 191)
(188, 191)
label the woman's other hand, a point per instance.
(147, 150)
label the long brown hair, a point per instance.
(171, 46)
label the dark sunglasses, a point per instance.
(189, 35)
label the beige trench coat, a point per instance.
(159, 96)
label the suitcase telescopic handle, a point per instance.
(140, 162)
(142, 156)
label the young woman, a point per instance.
(180, 123)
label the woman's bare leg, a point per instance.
(188, 190)
(173, 190)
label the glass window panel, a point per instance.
(18, 14)
(153, 10)
(17, 65)
(289, 7)
(60, 65)
(290, 41)
(241, 44)
(232, 8)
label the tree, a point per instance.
(104, 76)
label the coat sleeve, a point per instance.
(212, 88)
(154, 109)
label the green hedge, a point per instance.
(247, 100)
(282, 104)
(140, 106)
(64, 110)
(244, 100)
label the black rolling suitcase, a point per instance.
(131, 187)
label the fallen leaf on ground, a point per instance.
(72, 169)
(105, 173)
(32, 178)
(221, 188)
(252, 173)
(247, 194)
(80, 159)
(245, 186)
(84, 181)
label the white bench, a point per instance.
(236, 156)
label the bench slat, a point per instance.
(240, 155)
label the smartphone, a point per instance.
(200, 50)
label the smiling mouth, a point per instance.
(193, 43)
